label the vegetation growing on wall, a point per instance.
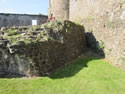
(101, 44)
(42, 48)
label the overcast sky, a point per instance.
(24, 6)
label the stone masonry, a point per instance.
(40, 50)
(102, 19)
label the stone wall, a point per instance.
(59, 9)
(20, 19)
(40, 50)
(104, 20)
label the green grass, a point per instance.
(86, 76)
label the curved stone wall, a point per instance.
(59, 9)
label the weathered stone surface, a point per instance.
(59, 9)
(104, 19)
(40, 50)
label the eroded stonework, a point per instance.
(40, 50)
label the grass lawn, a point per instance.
(86, 76)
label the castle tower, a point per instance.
(59, 9)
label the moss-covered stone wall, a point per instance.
(40, 50)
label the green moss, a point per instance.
(26, 41)
(55, 25)
(12, 32)
(51, 30)
(13, 37)
(38, 38)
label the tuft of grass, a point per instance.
(12, 33)
(85, 76)
(101, 44)
(90, 30)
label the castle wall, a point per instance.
(20, 19)
(59, 9)
(104, 21)
(84, 8)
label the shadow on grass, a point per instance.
(72, 69)
(66, 71)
